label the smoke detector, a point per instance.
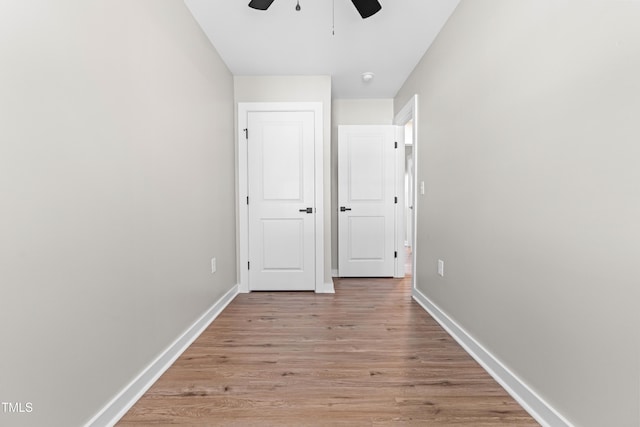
(367, 77)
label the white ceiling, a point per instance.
(282, 41)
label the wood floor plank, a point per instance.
(366, 356)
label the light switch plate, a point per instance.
(441, 268)
(213, 265)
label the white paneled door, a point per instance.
(366, 201)
(280, 149)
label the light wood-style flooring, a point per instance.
(366, 356)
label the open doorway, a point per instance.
(408, 195)
(408, 118)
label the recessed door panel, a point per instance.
(366, 168)
(283, 244)
(282, 161)
(363, 244)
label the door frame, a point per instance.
(399, 207)
(242, 215)
(407, 113)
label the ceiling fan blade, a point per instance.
(366, 8)
(260, 4)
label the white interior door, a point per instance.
(366, 201)
(281, 207)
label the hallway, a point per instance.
(367, 355)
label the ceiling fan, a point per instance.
(366, 8)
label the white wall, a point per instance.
(528, 145)
(116, 154)
(351, 112)
(297, 89)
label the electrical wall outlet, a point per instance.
(213, 265)
(440, 268)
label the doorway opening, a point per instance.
(408, 196)
(408, 118)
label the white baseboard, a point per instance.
(537, 407)
(119, 405)
(334, 272)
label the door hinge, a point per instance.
(247, 199)
(395, 199)
(395, 254)
(248, 265)
(396, 144)
(246, 133)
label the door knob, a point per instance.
(342, 209)
(307, 210)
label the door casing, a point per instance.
(242, 186)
